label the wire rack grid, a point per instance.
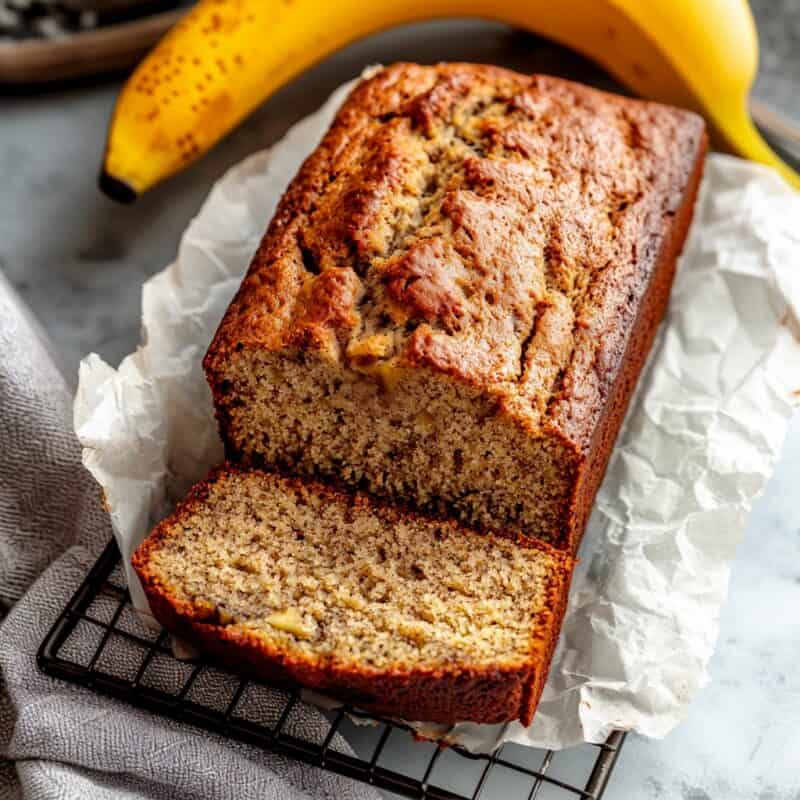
(99, 642)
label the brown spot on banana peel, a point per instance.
(213, 120)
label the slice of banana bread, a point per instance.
(400, 614)
(454, 299)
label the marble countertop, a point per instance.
(79, 261)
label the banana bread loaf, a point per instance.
(454, 299)
(400, 614)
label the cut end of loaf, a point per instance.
(339, 593)
(413, 437)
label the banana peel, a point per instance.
(226, 57)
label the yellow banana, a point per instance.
(225, 57)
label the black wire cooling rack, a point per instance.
(99, 642)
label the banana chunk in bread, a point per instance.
(454, 299)
(398, 613)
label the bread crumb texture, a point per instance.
(334, 578)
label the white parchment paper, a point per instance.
(698, 445)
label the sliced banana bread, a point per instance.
(454, 299)
(400, 614)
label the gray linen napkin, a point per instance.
(58, 740)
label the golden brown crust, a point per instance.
(460, 206)
(631, 346)
(445, 695)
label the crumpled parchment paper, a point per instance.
(699, 443)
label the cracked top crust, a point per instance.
(495, 227)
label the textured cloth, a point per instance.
(57, 740)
